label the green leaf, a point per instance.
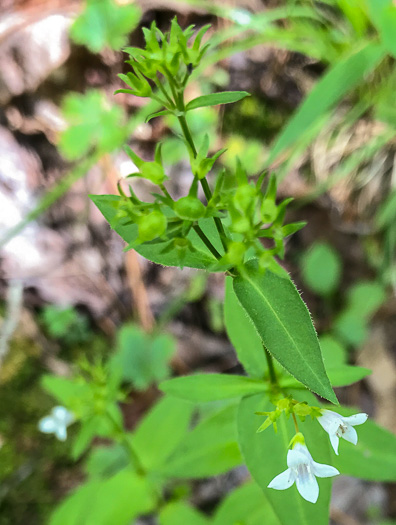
(321, 268)
(105, 24)
(67, 391)
(208, 450)
(341, 375)
(351, 328)
(365, 297)
(373, 458)
(92, 123)
(119, 499)
(104, 462)
(265, 456)
(142, 358)
(345, 75)
(201, 258)
(180, 513)
(285, 326)
(225, 97)
(211, 387)
(161, 431)
(243, 334)
(246, 504)
(333, 352)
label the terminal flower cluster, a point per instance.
(302, 469)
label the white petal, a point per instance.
(324, 471)
(356, 419)
(297, 456)
(62, 415)
(330, 421)
(283, 481)
(308, 487)
(350, 435)
(334, 440)
(47, 425)
(61, 433)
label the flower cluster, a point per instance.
(302, 469)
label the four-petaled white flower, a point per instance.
(338, 426)
(57, 422)
(302, 470)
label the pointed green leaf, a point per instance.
(340, 375)
(119, 499)
(284, 324)
(208, 450)
(243, 334)
(201, 258)
(248, 505)
(225, 97)
(265, 456)
(161, 431)
(211, 387)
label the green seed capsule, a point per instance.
(151, 226)
(189, 208)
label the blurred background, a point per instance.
(67, 289)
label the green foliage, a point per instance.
(341, 78)
(321, 268)
(285, 326)
(180, 513)
(226, 97)
(65, 323)
(212, 387)
(209, 449)
(142, 359)
(103, 24)
(93, 122)
(108, 501)
(243, 334)
(161, 431)
(248, 505)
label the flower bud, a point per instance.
(189, 208)
(268, 210)
(245, 197)
(240, 225)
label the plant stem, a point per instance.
(127, 445)
(206, 241)
(271, 369)
(204, 183)
(295, 423)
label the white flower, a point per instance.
(302, 470)
(57, 422)
(338, 426)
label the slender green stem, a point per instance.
(271, 369)
(165, 192)
(126, 444)
(187, 135)
(204, 183)
(206, 241)
(295, 423)
(160, 86)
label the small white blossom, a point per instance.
(338, 426)
(302, 470)
(57, 422)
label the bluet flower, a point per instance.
(57, 422)
(302, 470)
(338, 426)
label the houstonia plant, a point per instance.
(232, 224)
